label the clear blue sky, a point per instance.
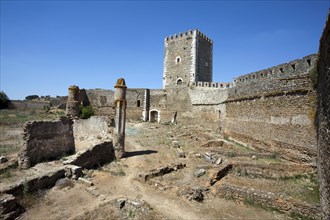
(48, 45)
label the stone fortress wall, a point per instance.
(272, 110)
(99, 97)
(323, 118)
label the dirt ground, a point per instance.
(121, 179)
(118, 191)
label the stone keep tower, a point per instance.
(187, 59)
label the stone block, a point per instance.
(94, 156)
(9, 207)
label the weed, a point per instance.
(119, 172)
(297, 216)
(273, 156)
(231, 154)
(164, 141)
(269, 159)
(12, 117)
(294, 178)
(46, 108)
(250, 201)
(26, 189)
(8, 149)
(230, 197)
(6, 173)
(86, 111)
(308, 185)
(313, 75)
(243, 172)
(130, 214)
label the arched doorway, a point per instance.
(154, 115)
(179, 82)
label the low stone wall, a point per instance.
(30, 105)
(9, 207)
(269, 199)
(42, 180)
(46, 140)
(93, 157)
(94, 127)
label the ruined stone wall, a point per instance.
(271, 200)
(45, 140)
(135, 99)
(39, 104)
(207, 95)
(100, 97)
(274, 110)
(208, 103)
(30, 105)
(157, 99)
(100, 127)
(323, 119)
(178, 99)
(157, 102)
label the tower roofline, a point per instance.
(188, 33)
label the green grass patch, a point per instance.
(250, 201)
(308, 184)
(230, 154)
(269, 159)
(165, 141)
(130, 214)
(7, 149)
(26, 188)
(6, 173)
(297, 216)
(313, 75)
(13, 117)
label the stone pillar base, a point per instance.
(119, 145)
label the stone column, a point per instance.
(120, 118)
(72, 104)
(146, 105)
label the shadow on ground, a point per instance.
(139, 153)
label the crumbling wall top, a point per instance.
(74, 88)
(187, 34)
(293, 68)
(121, 83)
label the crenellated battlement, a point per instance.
(188, 33)
(290, 69)
(219, 85)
